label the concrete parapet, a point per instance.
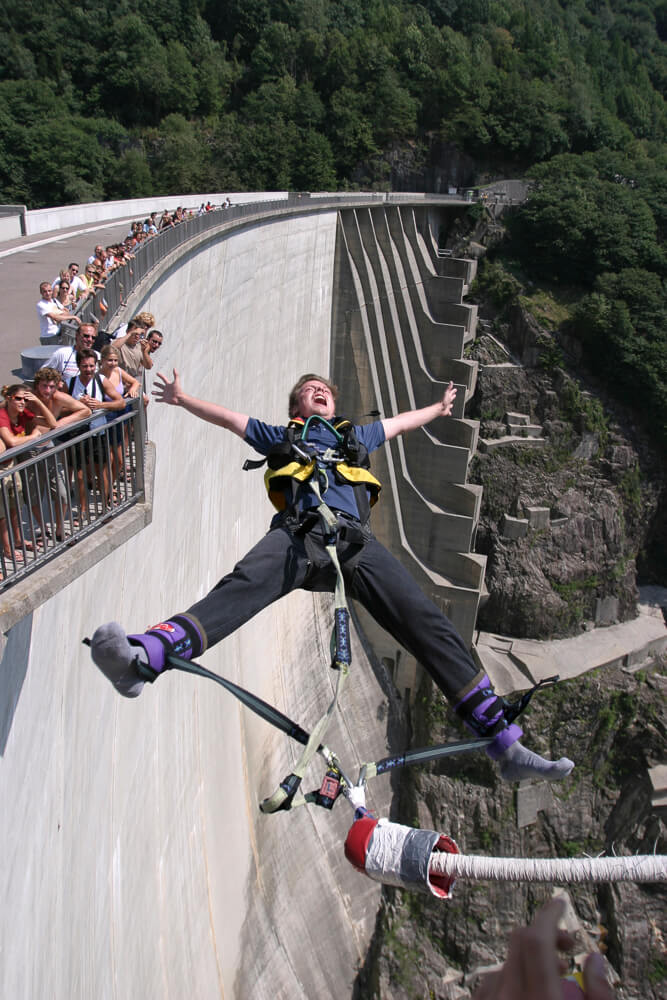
(538, 517)
(531, 798)
(525, 430)
(490, 444)
(606, 610)
(658, 778)
(514, 527)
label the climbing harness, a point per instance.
(294, 462)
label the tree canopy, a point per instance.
(100, 101)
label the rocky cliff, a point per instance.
(567, 503)
(426, 948)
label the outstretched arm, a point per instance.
(411, 419)
(172, 393)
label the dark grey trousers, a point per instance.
(282, 562)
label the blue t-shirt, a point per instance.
(339, 496)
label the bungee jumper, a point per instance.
(320, 539)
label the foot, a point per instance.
(116, 658)
(518, 763)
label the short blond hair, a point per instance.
(144, 319)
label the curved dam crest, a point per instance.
(136, 861)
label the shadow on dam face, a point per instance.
(136, 861)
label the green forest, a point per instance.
(160, 96)
(177, 96)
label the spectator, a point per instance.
(98, 394)
(10, 500)
(77, 283)
(63, 359)
(145, 319)
(66, 411)
(92, 279)
(55, 284)
(154, 339)
(129, 389)
(122, 382)
(133, 350)
(50, 313)
(97, 255)
(64, 296)
(109, 261)
(18, 426)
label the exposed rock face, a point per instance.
(580, 566)
(613, 725)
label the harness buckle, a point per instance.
(329, 790)
(290, 786)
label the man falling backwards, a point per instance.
(319, 457)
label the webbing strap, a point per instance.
(287, 795)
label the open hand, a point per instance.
(448, 399)
(168, 392)
(534, 968)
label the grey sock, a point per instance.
(518, 763)
(115, 657)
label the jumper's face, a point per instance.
(316, 399)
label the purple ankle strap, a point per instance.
(178, 635)
(504, 740)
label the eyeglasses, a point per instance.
(63, 285)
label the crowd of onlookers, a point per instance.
(61, 298)
(96, 378)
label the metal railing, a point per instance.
(62, 486)
(103, 306)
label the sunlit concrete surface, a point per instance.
(135, 861)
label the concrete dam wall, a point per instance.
(135, 861)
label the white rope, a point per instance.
(635, 868)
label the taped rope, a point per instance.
(633, 868)
(430, 862)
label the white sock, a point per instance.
(113, 654)
(518, 763)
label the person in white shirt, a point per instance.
(63, 359)
(50, 313)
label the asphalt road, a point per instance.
(24, 264)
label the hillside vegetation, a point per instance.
(160, 96)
